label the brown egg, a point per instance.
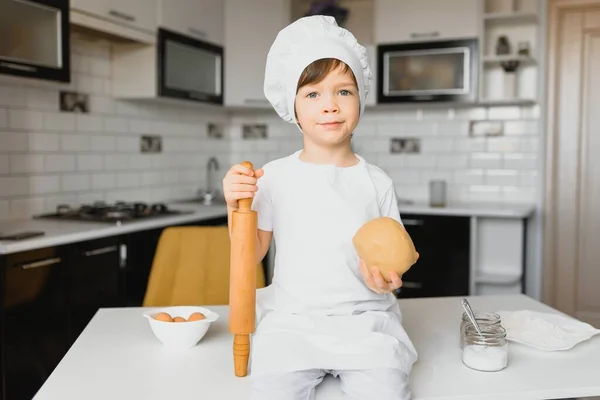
(178, 319)
(163, 316)
(197, 316)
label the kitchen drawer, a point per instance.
(443, 243)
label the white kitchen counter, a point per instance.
(64, 232)
(118, 357)
(470, 209)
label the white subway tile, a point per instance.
(38, 99)
(532, 112)
(484, 193)
(419, 128)
(102, 105)
(502, 177)
(469, 177)
(89, 162)
(504, 144)
(429, 175)
(190, 176)
(128, 144)
(100, 67)
(26, 207)
(89, 123)
(469, 145)
(521, 127)
(436, 145)
(391, 162)
(44, 142)
(74, 143)
(529, 178)
(128, 179)
(11, 186)
(26, 163)
(58, 121)
(171, 176)
(402, 177)
(90, 198)
(103, 144)
(104, 181)
(419, 161)
(140, 126)
(486, 160)
(504, 113)
(470, 113)
(117, 125)
(4, 164)
(436, 114)
(52, 202)
(152, 178)
(42, 184)
(454, 128)
(519, 194)
(116, 162)
(138, 161)
(4, 209)
(75, 182)
(12, 96)
(452, 162)
(520, 160)
(59, 163)
(364, 129)
(530, 144)
(3, 118)
(25, 120)
(125, 108)
(14, 141)
(80, 63)
(390, 130)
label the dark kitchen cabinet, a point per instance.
(443, 243)
(33, 323)
(94, 280)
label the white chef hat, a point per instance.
(299, 44)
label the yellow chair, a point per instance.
(191, 267)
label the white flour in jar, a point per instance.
(490, 358)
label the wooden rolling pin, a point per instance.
(242, 284)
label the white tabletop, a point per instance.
(117, 357)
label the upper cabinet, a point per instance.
(249, 34)
(132, 19)
(200, 19)
(425, 20)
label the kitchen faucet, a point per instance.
(212, 162)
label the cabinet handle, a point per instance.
(412, 222)
(118, 14)
(411, 285)
(424, 34)
(42, 263)
(18, 66)
(197, 32)
(102, 250)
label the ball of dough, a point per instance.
(383, 242)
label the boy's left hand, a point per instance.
(374, 280)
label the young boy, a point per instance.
(325, 311)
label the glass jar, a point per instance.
(483, 319)
(486, 352)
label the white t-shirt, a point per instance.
(314, 211)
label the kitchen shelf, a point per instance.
(493, 60)
(507, 102)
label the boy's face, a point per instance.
(328, 111)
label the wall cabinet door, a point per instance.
(141, 14)
(201, 19)
(425, 20)
(249, 35)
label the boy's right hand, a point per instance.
(240, 183)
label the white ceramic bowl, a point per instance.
(182, 335)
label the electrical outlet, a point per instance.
(215, 131)
(486, 128)
(151, 144)
(74, 102)
(405, 145)
(254, 131)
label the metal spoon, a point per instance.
(467, 308)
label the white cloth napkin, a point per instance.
(545, 331)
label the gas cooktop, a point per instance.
(117, 213)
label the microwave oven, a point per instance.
(436, 71)
(189, 68)
(35, 39)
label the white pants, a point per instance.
(380, 384)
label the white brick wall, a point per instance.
(48, 157)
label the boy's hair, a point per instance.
(316, 71)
